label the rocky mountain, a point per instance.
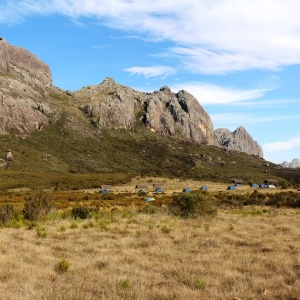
(29, 102)
(25, 82)
(239, 140)
(169, 114)
(295, 163)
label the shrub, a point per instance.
(125, 284)
(73, 225)
(81, 212)
(256, 198)
(41, 232)
(199, 284)
(37, 206)
(63, 265)
(6, 213)
(165, 229)
(192, 205)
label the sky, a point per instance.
(240, 59)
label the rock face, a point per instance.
(24, 82)
(239, 140)
(295, 163)
(113, 105)
(21, 64)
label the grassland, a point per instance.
(250, 254)
(130, 249)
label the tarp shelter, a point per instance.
(186, 190)
(141, 188)
(159, 190)
(237, 181)
(254, 185)
(204, 188)
(158, 185)
(231, 188)
(105, 191)
(271, 181)
(106, 187)
(150, 199)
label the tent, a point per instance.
(186, 190)
(105, 191)
(150, 199)
(263, 186)
(159, 190)
(204, 188)
(254, 185)
(231, 188)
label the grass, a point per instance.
(258, 259)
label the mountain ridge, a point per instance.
(26, 89)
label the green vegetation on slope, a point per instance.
(121, 151)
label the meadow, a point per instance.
(248, 254)
(127, 248)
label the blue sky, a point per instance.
(240, 59)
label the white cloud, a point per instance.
(283, 145)
(208, 94)
(230, 118)
(162, 71)
(208, 36)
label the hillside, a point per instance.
(109, 128)
(135, 152)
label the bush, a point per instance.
(37, 206)
(63, 265)
(192, 205)
(6, 213)
(80, 212)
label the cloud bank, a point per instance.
(208, 94)
(293, 142)
(162, 71)
(206, 36)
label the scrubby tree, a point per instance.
(192, 205)
(37, 206)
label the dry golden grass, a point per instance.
(130, 255)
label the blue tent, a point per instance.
(254, 185)
(150, 199)
(186, 190)
(159, 190)
(263, 186)
(204, 188)
(231, 188)
(105, 192)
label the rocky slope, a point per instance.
(25, 82)
(239, 140)
(170, 114)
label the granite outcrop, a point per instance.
(239, 140)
